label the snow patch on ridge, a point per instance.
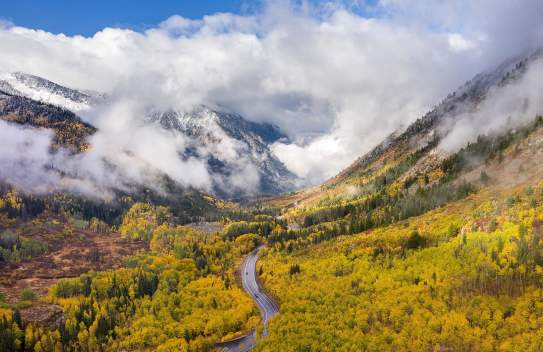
(40, 89)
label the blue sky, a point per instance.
(86, 17)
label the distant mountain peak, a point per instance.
(41, 89)
(229, 139)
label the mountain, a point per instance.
(41, 89)
(433, 125)
(229, 143)
(70, 131)
(415, 151)
(414, 247)
(405, 248)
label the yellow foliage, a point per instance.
(13, 200)
(141, 220)
(477, 290)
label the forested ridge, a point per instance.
(69, 130)
(466, 277)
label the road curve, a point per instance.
(267, 308)
(250, 284)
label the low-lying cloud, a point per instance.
(116, 160)
(505, 107)
(337, 82)
(24, 155)
(125, 152)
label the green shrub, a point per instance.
(415, 241)
(8, 240)
(294, 269)
(22, 305)
(32, 248)
(28, 294)
(79, 223)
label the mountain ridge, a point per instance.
(41, 89)
(224, 140)
(463, 99)
(228, 139)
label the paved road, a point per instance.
(249, 279)
(267, 308)
(241, 344)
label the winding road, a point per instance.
(250, 284)
(267, 308)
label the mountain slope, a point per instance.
(419, 144)
(433, 124)
(70, 131)
(72, 134)
(231, 144)
(41, 89)
(416, 248)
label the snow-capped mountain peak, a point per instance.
(41, 89)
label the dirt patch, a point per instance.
(522, 164)
(70, 253)
(207, 227)
(49, 315)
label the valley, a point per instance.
(154, 226)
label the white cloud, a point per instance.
(318, 159)
(24, 153)
(458, 43)
(336, 82)
(506, 107)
